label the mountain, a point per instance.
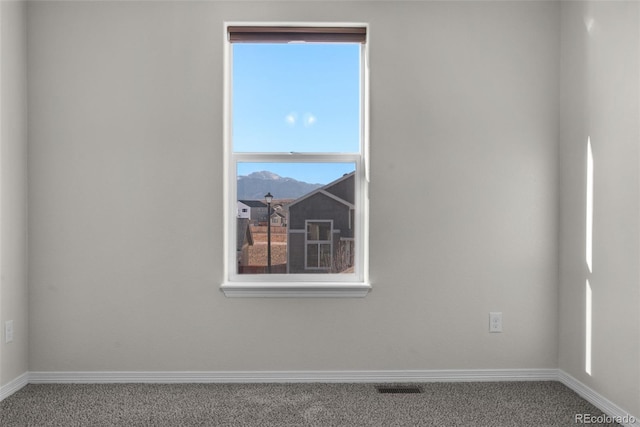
(255, 185)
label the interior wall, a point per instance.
(13, 149)
(600, 103)
(125, 192)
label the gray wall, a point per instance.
(125, 192)
(13, 174)
(600, 100)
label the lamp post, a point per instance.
(268, 198)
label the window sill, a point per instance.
(295, 290)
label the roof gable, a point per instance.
(327, 191)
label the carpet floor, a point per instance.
(484, 404)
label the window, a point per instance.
(296, 145)
(319, 245)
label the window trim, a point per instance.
(283, 285)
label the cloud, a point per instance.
(291, 118)
(309, 119)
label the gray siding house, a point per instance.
(321, 229)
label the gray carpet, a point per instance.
(440, 404)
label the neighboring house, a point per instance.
(254, 210)
(321, 229)
(278, 219)
(244, 239)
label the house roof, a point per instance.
(326, 190)
(253, 203)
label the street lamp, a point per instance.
(268, 198)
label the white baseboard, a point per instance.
(296, 376)
(388, 376)
(13, 386)
(605, 405)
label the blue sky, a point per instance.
(296, 98)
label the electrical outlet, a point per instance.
(8, 331)
(495, 321)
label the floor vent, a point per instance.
(398, 389)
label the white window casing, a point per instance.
(323, 284)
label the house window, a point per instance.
(319, 244)
(296, 129)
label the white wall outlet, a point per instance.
(495, 321)
(8, 331)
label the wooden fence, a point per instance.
(275, 229)
(262, 269)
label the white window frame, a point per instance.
(297, 285)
